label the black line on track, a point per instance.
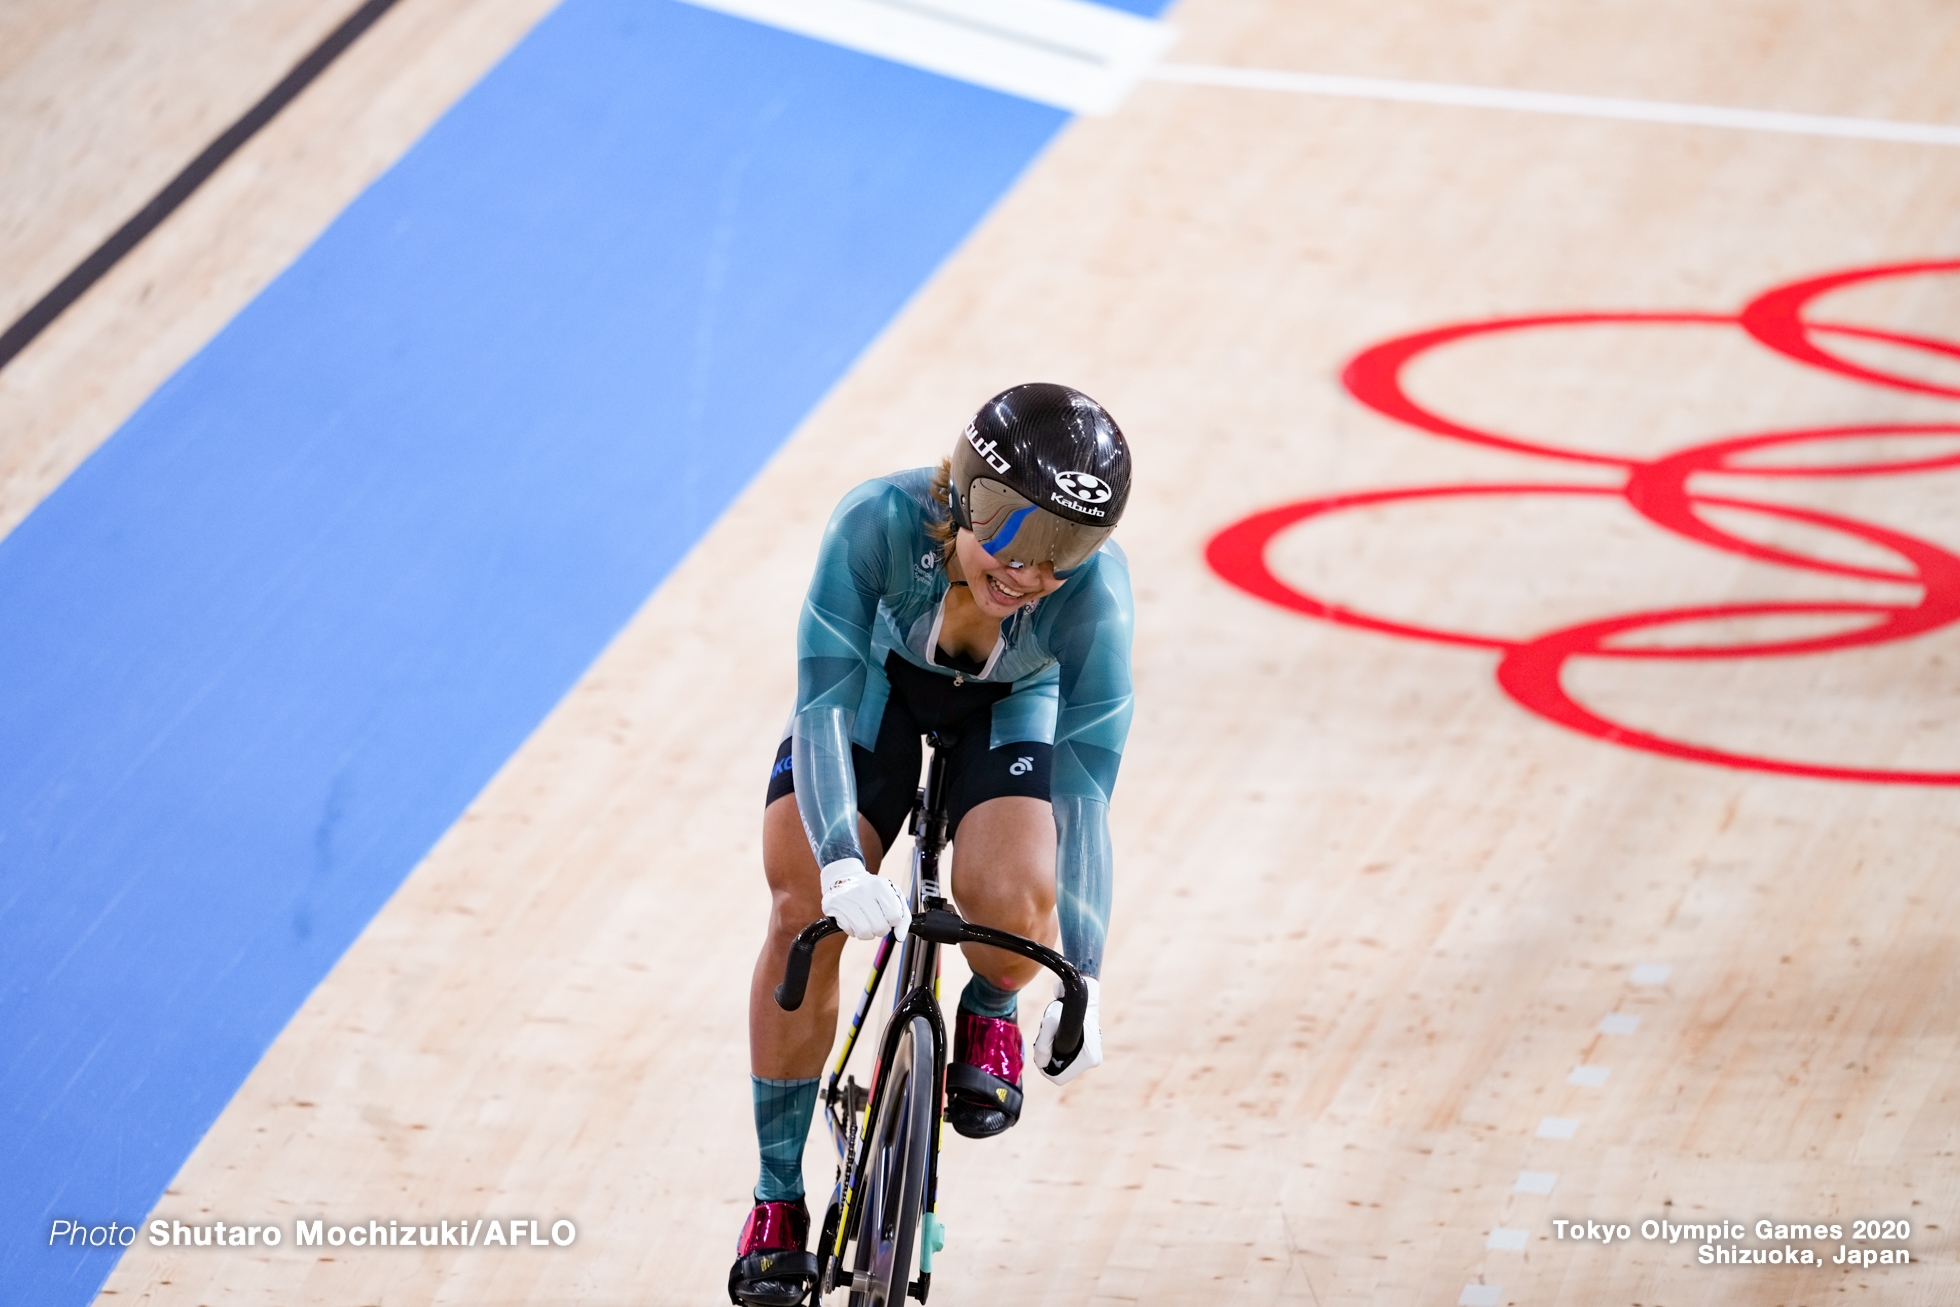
(90, 270)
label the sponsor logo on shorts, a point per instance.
(1021, 767)
(782, 765)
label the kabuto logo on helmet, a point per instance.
(1084, 486)
(987, 450)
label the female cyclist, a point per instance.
(984, 602)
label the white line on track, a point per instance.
(1582, 106)
(1087, 57)
(1068, 53)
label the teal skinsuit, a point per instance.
(878, 588)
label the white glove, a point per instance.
(1090, 1053)
(866, 906)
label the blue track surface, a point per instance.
(260, 650)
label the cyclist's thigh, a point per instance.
(886, 778)
(1004, 864)
(787, 860)
(977, 773)
(1003, 827)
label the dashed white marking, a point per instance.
(1067, 53)
(1581, 106)
(1585, 1075)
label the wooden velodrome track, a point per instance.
(1371, 913)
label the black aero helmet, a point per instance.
(1041, 474)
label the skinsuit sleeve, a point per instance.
(1092, 722)
(833, 646)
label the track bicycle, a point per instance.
(885, 1201)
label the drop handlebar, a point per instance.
(944, 926)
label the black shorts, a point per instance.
(888, 776)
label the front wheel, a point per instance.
(894, 1186)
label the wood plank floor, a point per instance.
(1370, 913)
(106, 102)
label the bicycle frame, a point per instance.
(917, 994)
(850, 1109)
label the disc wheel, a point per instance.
(893, 1195)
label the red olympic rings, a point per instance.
(1776, 319)
(1531, 669)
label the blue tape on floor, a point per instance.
(261, 649)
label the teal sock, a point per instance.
(783, 1109)
(981, 997)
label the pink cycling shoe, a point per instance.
(772, 1268)
(983, 1081)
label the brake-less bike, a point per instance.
(884, 1205)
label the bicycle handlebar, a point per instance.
(796, 972)
(944, 926)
